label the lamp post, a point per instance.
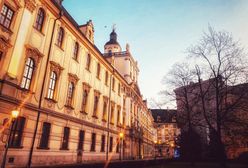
(14, 115)
(155, 142)
(121, 135)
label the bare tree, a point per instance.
(217, 101)
(221, 62)
(180, 77)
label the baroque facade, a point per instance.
(74, 101)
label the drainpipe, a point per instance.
(109, 112)
(42, 92)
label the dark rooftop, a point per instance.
(164, 115)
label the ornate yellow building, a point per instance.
(73, 101)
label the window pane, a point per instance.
(65, 140)
(17, 132)
(81, 140)
(27, 84)
(10, 14)
(45, 135)
(1, 19)
(4, 10)
(93, 142)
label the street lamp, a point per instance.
(14, 115)
(155, 142)
(121, 135)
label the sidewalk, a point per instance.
(114, 164)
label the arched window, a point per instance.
(70, 94)
(60, 37)
(6, 16)
(40, 19)
(28, 74)
(52, 84)
(75, 52)
(85, 98)
(88, 61)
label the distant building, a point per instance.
(167, 132)
(233, 107)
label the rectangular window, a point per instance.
(98, 71)
(45, 135)
(17, 132)
(96, 100)
(104, 116)
(111, 144)
(106, 78)
(117, 146)
(119, 89)
(93, 142)
(88, 62)
(103, 143)
(52, 85)
(112, 113)
(65, 140)
(1, 55)
(6, 16)
(124, 119)
(113, 84)
(75, 50)
(85, 98)
(70, 94)
(81, 140)
(118, 116)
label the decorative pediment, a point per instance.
(33, 53)
(73, 78)
(97, 93)
(86, 86)
(30, 5)
(56, 67)
(15, 4)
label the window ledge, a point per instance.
(92, 150)
(69, 107)
(104, 120)
(88, 69)
(120, 126)
(5, 29)
(51, 100)
(43, 148)
(16, 147)
(39, 31)
(59, 47)
(112, 123)
(26, 91)
(64, 149)
(94, 116)
(84, 112)
(75, 59)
